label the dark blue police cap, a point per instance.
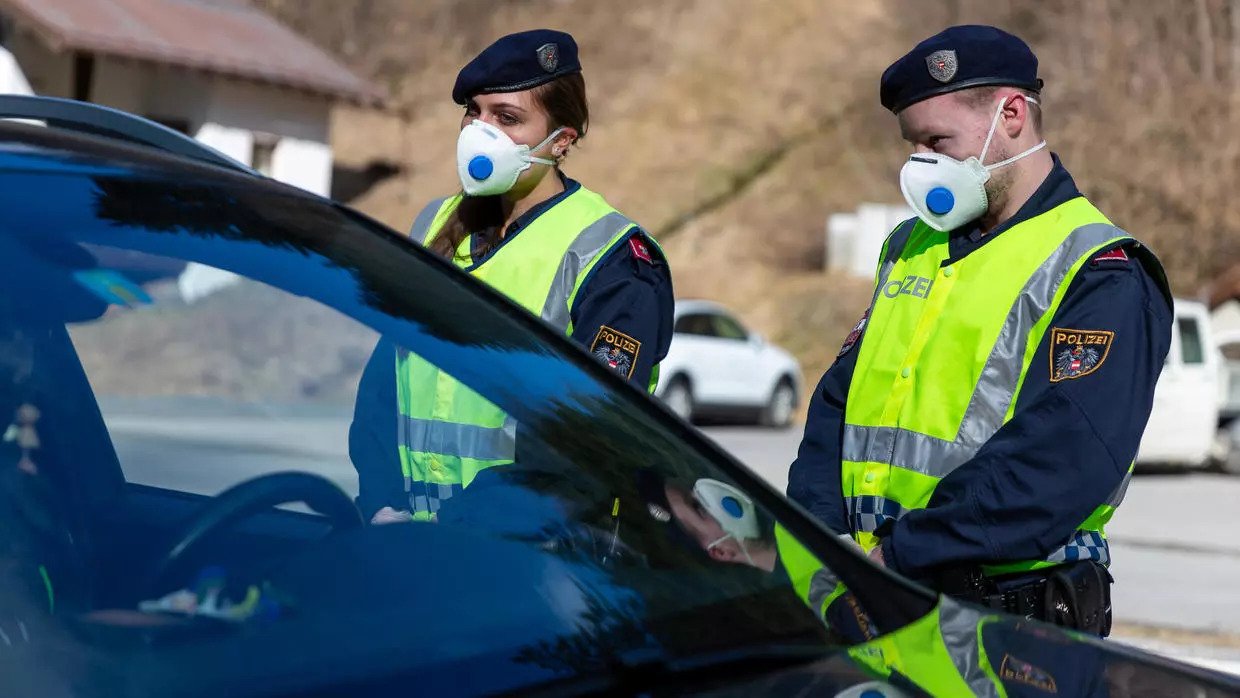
(518, 62)
(956, 59)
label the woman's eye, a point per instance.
(508, 119)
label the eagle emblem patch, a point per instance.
(549, 57)
(1020, 671)
(616, 350)
(942, 65)
(851, 340)
(1076, 353)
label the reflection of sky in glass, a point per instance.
(525, 373)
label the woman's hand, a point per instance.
(388, 515)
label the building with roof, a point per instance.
(219, 70)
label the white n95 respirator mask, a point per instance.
(947, 193)
(733, 510)
(488, 162)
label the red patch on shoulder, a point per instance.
(639, 250)
(1118, 254)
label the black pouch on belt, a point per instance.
(1078, 596)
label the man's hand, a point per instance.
(876, 556)
(388, 515)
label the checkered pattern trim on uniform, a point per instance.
(1085, 545)
(427, 496)
(868, 512)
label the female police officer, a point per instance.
(548, 243)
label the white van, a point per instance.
(1185, 420)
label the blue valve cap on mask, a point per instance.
(481, 167)
(733, 507)
(939, 200)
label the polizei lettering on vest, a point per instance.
(911, 285)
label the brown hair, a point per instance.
(564, 101)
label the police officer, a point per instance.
(979, 425)
(532, 233)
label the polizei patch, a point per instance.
(1076, 353)
(617, 350)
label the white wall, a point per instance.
(302, 156)
(855, 239)
(236, 143)
(1226, 318)
(263, 108)
(12, 78)
(49, 73)
(120, 85)
(305, 164)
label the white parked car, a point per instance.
(1185, 420)
(717, 367)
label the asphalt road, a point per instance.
(1175, 541)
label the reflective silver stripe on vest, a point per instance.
(910, 450)
(461, 440)
(589, 244)
(821, 584)
(959, 627)
(1118, 495)
(422, 224)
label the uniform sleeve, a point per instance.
(623, 314)
(814, 479)
(372, 435)
(1075, 431)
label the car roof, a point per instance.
(62, 116)
(685, 307)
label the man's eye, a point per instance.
(934, 141)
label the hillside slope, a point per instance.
(731, 128)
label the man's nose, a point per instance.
(922, 149)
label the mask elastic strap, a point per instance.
(740, 543)
(994, 123)
(545, 141)
(1014, 158)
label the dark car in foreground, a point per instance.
(180, 345)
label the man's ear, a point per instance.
(1017, 115)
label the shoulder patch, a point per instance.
(1020, 671)
(1077, 353)
(616, 350)
(638, 248)
(1116, 255)
(853, 337)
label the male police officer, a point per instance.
(979, 425)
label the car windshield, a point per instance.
(184, 349)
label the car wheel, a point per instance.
(679, 399)
(1227, 450)
(779, 408)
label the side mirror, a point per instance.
(756, 339)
